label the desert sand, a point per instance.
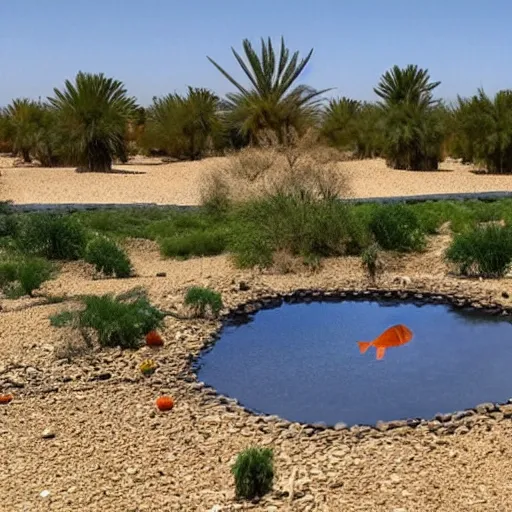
(151, 181)
(87, 436)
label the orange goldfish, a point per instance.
(392, 337)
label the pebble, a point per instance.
(48, 433)
(44, 494)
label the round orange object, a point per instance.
(153, 339)
(164, 403)
(5, 399)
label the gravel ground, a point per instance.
(147, 181)
(112, 452)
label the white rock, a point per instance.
(48, 433)
(44, 494)
(215, 508)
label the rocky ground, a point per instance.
(151, 181)
(85, 435)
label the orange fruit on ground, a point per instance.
(153, 339)
(165, 403)
(5, 399)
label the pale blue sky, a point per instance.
(160, 46)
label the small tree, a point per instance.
(413, 128)
(93, 113)
(484, 130)
(183, 126)
(23, 117)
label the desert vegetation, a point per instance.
(92, 121)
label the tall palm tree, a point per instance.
(272, 101)
(183, 126)
(94, 112)
(413, 128)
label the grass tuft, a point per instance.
(254, 472)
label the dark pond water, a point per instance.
(302, 362)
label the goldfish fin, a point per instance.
(363, 346)
(380, 353)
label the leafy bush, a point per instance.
(485, 251)
(397, 227)
(254, 472)
(202, 299)
(107, 257)
(56, 237)
(119, 322)
(195, 243)
(23, 276)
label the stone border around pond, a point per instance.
(459, 422)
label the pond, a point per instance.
(302, 361)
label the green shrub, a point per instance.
(195, 243)
(108, 257)
(62, 319)
(119, 321)
(484, 251)
(201, 299)
(56, 237)
(23, 276)
(396, 227)
(299, 225)
(253, 472)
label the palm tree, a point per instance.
(183, 126)
(353, 126)
(94, 113)
(413, 127)
(23, 116)
(484, 130)
(406, 85)
(272, 101)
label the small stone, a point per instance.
(48, 433)
(462, 414)
(132, 471)
(243, 286)
(443, 417)
(505, 295)
(340, 426)
(44, 494)
(272, 508)
(103, 376)
(506, 410)
(161, 274)
(395, 479)
(485, 407)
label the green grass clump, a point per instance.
(119, 322)
(396, 227)
(195, 243)
(108, 257)
(485, 251)
(24, 275)
(55, 237)
(254, 472)
(62, 319)
(301, 226)
(203, 299)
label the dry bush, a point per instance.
(216, 191)
(251, 163)
(285, 263)
(72, 348)
(287, 164)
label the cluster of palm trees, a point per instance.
(93, 121)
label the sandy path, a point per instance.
(179, 183)
(112, 452)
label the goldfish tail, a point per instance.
(363, 346)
